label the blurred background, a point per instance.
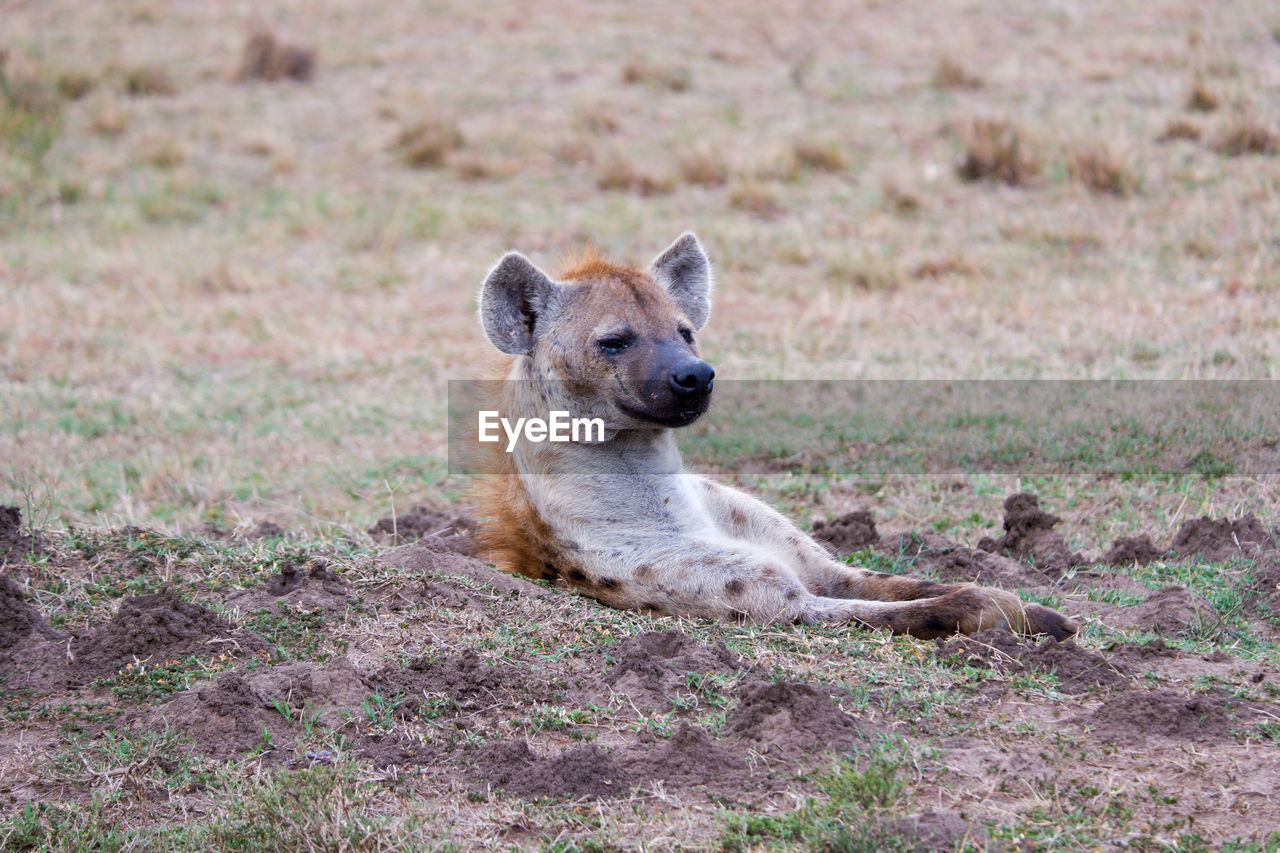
(239, 243)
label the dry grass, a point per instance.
(596, 119)
(144, 81)
(425, 143)
(1247, 135)
(621, 174)
(756, 198)
(1103, 168)
(704, 166)
(866, 270)
(1202, 99)
(474, 166)
(997, 150)
(288, 272)
(674, 78)
(267, 58)
(74, 84)
(950, 74)
(822, 155)
(109, 117)
(1180, 128)
(163, 152)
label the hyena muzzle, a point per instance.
(617, 517)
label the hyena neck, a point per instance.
(632, 462)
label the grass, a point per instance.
(1103, 168)
(227, 304)
(997, 150)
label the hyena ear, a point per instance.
(514, 294)
(684, 271)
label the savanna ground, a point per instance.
(234, 290)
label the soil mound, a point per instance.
(1169, 611)
(32, 655)
(1029, 535)
(1137, 715)
(692, 757)
(316, 588)
(1218, 539)
(586, 771)
(331, 693)
(226, 719)
(19, 620)
(1132, 550)
(955, 563)
(930, 831)
(386, 752)
(14, 541)
(1078, 669)
(855, 531)
(792, 717)
(422, 522)
(433, 557)
(156, 628)
(469, 679)
(650, 668)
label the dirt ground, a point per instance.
(470, 693)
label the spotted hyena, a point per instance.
(617, 517)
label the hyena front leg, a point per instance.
(742, 516)
(725, 579)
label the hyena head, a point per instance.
(608, 341)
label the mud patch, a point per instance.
(1136, 715)
(153, 628)
(454, 531)
(791, 718)
(585, 771)
(1219, 539)
(1029, 535)
(849, 533)
(1079, 670)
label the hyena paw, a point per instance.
(1042, 620)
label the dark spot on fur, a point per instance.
(934, 625)
(577, 575)
(734, 587)
(644, 572)
(610, 583)
(737, 518)
(792, 594)
(549, 572)
(883, 575)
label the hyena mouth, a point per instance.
(679, 418)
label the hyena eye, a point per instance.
(687, 334)
(613, 346)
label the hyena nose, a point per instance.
(692, 377)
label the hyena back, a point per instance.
(619, 519)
